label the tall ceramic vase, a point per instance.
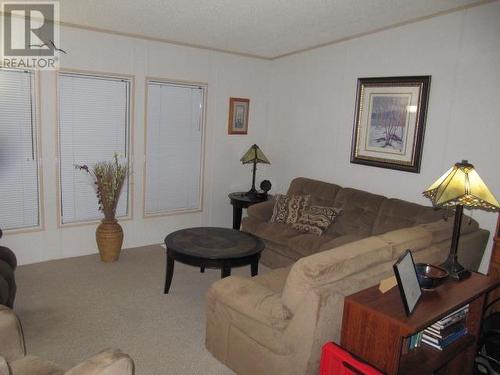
(109, 237)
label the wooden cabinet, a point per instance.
(495, 252)
(376, 328)
(494, 268)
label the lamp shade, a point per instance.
(461, 185)
(254, 154)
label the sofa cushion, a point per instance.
(275, 232)
(288, 208)
(4, 291)
(228, 328)
(339, 241)
(273, 280)
(359, 210)
(315, 220)
(4, 368)
(329, 266)
(442, 229)
(322, 193)
(252, 299)
(261, 211)
(413, 238)
(396, 214)
(31, 365)
(8, 264)
(307, 244)
(107, 362)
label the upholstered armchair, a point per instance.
(14, 361)
(8, 264)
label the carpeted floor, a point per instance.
(72, 308)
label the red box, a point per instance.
(337, 361)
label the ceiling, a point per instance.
(261, 28)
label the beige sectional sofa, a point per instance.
(277, 322)
(363, 215)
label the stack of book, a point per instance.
(415, 340)
(447, 330)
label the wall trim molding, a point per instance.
(272, 58)
(385, 28)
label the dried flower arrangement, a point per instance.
(109, 177)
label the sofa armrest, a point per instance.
(8, 256)
(4, 368)
(11, 334)
(261, 211)
(107, 362)
(251, 299)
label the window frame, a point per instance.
(37, 143)
(130, 145)
(168, 81)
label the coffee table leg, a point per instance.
(225, 271)
(254, 267)
(169, 274)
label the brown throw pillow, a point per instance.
(288, 208)
(315, 220)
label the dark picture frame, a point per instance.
(238, 115)
(389, 123)
(408, 284)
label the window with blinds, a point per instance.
(174, 144)
(19, 183)
(94, 123)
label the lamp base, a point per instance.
(252, 192)
(455, 269)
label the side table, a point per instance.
(241, 200)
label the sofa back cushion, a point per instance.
(329, 266)
(358, 212)
(396, 214)
(322, 193)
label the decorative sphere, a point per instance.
(265, 185)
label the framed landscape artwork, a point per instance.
(389, 122)
(238, 115)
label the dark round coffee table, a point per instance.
(212, 247)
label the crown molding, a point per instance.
(277, 57)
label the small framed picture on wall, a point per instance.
(238, 115)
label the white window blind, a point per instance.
(174, 146)
(19, 188)
(94, 118)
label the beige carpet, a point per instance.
(73, 308)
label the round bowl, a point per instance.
(429, 276)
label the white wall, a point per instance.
(226, 75)
(313, 97)
(301, 114)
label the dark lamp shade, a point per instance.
(461, 185)
(254, 154)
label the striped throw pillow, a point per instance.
(288, 208)
(315, 220)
